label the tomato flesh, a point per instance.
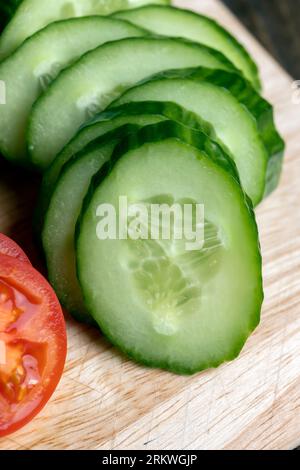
(20, 372)
(10, 248)
(32, 343)
(21, 363)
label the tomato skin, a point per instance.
(10, 248)
(40, 331)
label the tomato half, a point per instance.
(32, 343)
(10, 248)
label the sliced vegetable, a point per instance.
(98, 78)
(131, 113)
(10, 248)
(32, 343)
(33, 15)
(177, 309)
(31, 69)
(177, 22)
(235, 128)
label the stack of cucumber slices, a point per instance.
(140, 101)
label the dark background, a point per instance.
(276, 24)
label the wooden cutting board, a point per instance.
(105, 401)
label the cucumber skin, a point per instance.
(165, 109)
(260, 109)
(156, 133)
(253, 66)
(168, 109)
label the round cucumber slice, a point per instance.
(177, 22)
(235, 127)
(99, 77)
(33, 15)
(31, 69)
(130, 113)
(180, 310)
(64, 209)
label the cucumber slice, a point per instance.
(98, 78)
(175, 309)
(235, 127)
(130, 113)
(177, 22)
(64, 209)
(260, 109)
(33, 15)
(29, 71)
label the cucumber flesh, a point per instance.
(30, 70)
(178, 310)
(33, 15)
(177, 22)
(130, 113)
(235, 128)
(98, 78)
(63, 211)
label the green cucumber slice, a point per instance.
(177, 22)
(64, 209)
(33, 15)
(178, 310)
(235, 128)
(260, 109)
(98, 78)
(130, 113)
(30, 70)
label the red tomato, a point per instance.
(32, 343)
(10, 248)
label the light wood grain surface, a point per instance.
(105, 401)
